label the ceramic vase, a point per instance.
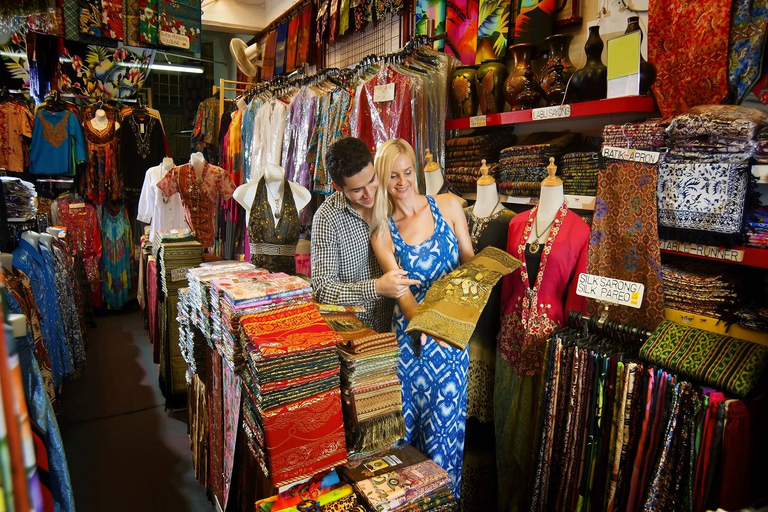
(558, 45)
(490, 86)
(591, 82)
(464, 92)
(647, 70)
(515, 82)
(530, 96)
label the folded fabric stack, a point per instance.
(754, 316)
(579, 172)
(402, 479)
(758, 228)
(523, 167)
(191, 343)
(324, 491)
(465, 155)
(648, 136)
(370, 389)
(19, 198)
(705, 187)
(254, 292)
(176, 254)
(292, 407)
(199, 279)
(703, 288)
(761, 152)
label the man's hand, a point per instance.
(440, 342)
(394, 284)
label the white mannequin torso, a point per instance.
(32, 238)
(46, 240)
(273, 176)
(433, 181)
(550, 201)
(487, 202)
(197, 160)
(100, 121)
(167, 164)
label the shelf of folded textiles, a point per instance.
(749, 256)
(573, 202)
(761, 173)
(604, 108)
(717, 326)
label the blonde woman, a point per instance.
(427, 237)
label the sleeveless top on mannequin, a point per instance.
(273, 247)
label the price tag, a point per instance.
(706, 251)
(613, 291)
(384, 93)
(556, 112)
(631, 155)
(171, 39)
(178, 274)
(477, 121)
(76, 205)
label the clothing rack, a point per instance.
(603, 325)
(338, 76)
(223, 87)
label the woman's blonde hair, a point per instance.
(383, 162)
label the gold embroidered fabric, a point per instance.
(453, 304)
(57, 134)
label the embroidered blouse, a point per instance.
(102, 180)
(531, 313)
(199, 196)
(57, 143)
(159, 212)
(15, 125)
(142, 145)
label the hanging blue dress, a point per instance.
(116, 257)
(434, 383)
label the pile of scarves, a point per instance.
(622, 435)
(324, 491)
(758, 228)
(579, 172)
(704, 288)
(192, 345)
(464, 157)
(401, 479)
(19, 198)
(754, 315)
(648, 136)
(524, 167)
(705, 188)
(292, 403)
(199, 284)
(761, 151)
(371, 391)
(245, 292)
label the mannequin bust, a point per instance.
(433, 177)
(488, 200)
(100, 121)
(167, 164)
(550, 201)
(54, 232)
(32, 238)
(274, 177)
(197, 160)
(6, 261)
(47, 240)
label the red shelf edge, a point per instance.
(753, 256)
(627, 104)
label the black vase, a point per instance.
(591, 81)
(647, 70)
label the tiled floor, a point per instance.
(125, 451)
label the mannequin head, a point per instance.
(350, 166)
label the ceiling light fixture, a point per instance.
(165, 67)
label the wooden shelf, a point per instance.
(573, 202)
(713, 325)
(625, 105)
(749, 256)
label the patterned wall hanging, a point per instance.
(461, 30)
(492, 29)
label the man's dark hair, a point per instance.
(346, 157)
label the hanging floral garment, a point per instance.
(117, 244)
(102, 181)
(82, 225)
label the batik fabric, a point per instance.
(117, 245)
(434, 420)
(749, 22)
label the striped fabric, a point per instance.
(726, 363)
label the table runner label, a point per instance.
(477, 121)
(384, 93)
(556, 112)
(613, 291)
(171, 39)
(631, 154)
(177, 274)
(707, 251)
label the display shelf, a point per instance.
(573, 202)
(587, 109)
(716, 326)
(749, 256)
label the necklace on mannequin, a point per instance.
(276, 212)
(536, 244)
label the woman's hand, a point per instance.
(438, 340)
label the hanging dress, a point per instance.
(274, 247)
(116, 260)
(102, 182)
(435, 382)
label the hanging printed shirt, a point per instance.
(57, 143)
(142, 145)
(15, 125)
